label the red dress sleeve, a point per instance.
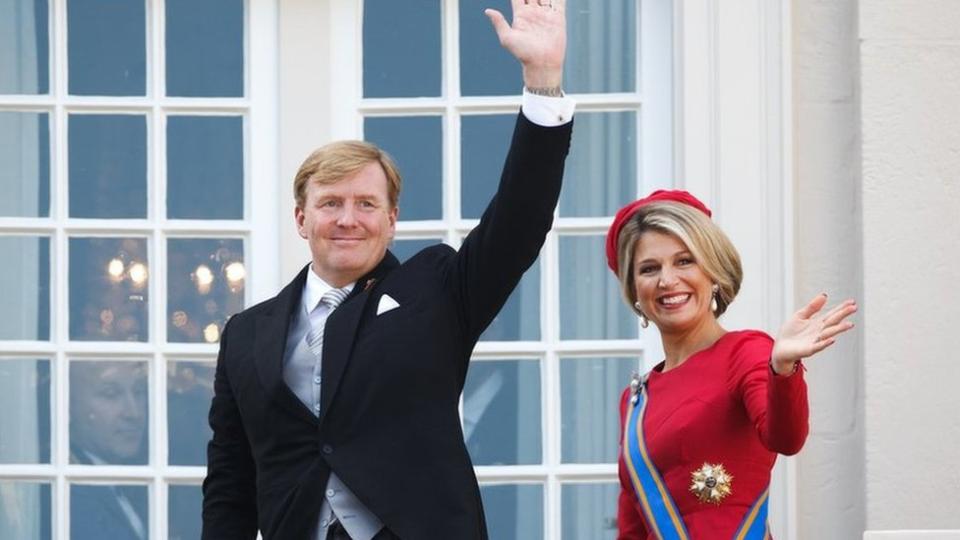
(776, 404)
(630, 525)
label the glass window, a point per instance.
(485, 68)
(485, 140)
(25, 510)
(24, 164)
(25, 287)
(109, 420)
(519, 318)
(109, 511)
(214, 27)
(404, 248)
(601, 170)
(415, 144)
(189, 391)
(513, 512)
(590, 304)
(183, 519)
(589, 511)
(401, 48)
(108, 165)
(501, 412)
(205, 167)
(24, 38)
(604, 57)
(206, 278)
(590, 390)
(109, 293)
(106, 47)
(24, 411)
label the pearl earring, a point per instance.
(644, 322)
(713, 298)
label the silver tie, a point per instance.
(332, 298)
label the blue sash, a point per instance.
(662, 517)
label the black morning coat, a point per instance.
(391, 383)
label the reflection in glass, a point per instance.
(25, 510)
(519, 318)
(117, 511)
(189, 391)
(205, 167)
(183, 520)
(513, 512)
(591, 388)
(589, 511)
(486, 68)
(605, 58)
(108, 165)
(401, 48)
(590, 299)
(25, 287)
(24, 164)
(204, 48)
(24, 411)
(484, 145)
(403, 249)
(415, 144)
(501, 412)
(601, 171)
(24, 38)
(106, 48)
(108, 412)
(109, 289)
(205, 286)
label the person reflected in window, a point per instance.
(108, 426)
(335, 410)
(701, 431)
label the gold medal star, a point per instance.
(711, 483)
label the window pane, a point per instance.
(25, 287)
(205, 286)
(183, 521)
(108, 166)
(108, 511)
(415, 144)
(204, 51)
(501, 412)
(513, 512)
(109, 417)
(590, 299)
(404, 249)
(24, 38)
(189, 391)
(591, 388)
(605, 56)
(24, 164)
(205, 167)
(519, 319)
(24, 411)
(106, 47)
(401, 48)
(601, 171)
(485, 140)
(486, 69)
(589, 511)
(109, 289)
(25, 512)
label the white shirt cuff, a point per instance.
(547, 111)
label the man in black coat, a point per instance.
(335, 409)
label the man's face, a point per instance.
(348, 225)
(108, 416)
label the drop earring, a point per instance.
(644, 322)
(713, 298)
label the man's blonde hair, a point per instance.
(336, 161)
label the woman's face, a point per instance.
(673, 291)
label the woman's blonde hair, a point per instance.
(710, 247)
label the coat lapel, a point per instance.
(269, 343)
(341, 328)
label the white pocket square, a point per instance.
(386, 304)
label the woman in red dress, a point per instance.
(701, 430)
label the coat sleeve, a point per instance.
(229, 490)
(777, 405)
(514, 225)
(630, 524)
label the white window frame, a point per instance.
(258, 232)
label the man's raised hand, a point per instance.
(537, 38)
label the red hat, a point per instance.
(625, 213)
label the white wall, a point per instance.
(910, 62)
